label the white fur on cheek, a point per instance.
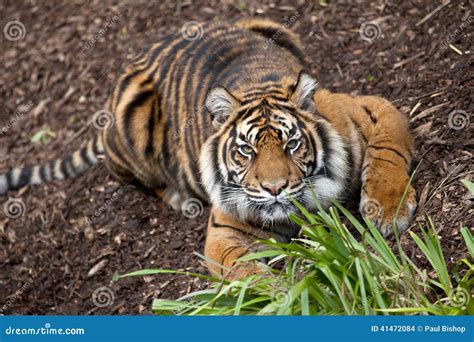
(208, 173)
(324, 187)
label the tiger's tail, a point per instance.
(75, 164)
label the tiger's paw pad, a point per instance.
(381, 209)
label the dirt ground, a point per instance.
(57, 70)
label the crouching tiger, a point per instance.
(238, 122)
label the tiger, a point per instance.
(234, 118)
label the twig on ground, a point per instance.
(436, 10)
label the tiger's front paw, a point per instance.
(380, 203)
(243, 270)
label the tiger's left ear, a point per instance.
(220, 104)
(303, 91)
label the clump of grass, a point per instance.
(328, 271)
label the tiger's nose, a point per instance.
(274, 188)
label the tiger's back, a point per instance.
(161, 120)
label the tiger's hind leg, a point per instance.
(170, 196)
(119, 164)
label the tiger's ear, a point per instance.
(303, 91)
(220, 104)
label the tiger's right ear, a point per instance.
(220, 104)
(303, 91)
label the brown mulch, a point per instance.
(58, 75)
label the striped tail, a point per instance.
(73, 165)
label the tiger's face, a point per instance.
(270, 151)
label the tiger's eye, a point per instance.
(246, 149)
(292, 144)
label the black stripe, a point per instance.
(124, 84)
(286, 105)
(25, 175)
(323, 135)
(42, 172)
(390, 149)
(66, 166)
(224, 155)
(112, 148)
(251, 128)
(271, 77)
(167, 163)
(222, 54)
(150, 149)
(219, 225)
(263, 90)
(8, 176)
(382, 159)
(215, 164)
(85, 157)
(283, 40)
(137, 102)
(314, 165)
(52, 172)
(364, 168)
(238, 69)
(369, 112)
(156, 54)
(350, 161)
(95, 147)
(267, 96)
(227, 251)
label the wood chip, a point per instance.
(455, 49)
(423, 130)
(428, 111)
(415, 108)
(408, 60)
(40, 107)
(97, 268)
